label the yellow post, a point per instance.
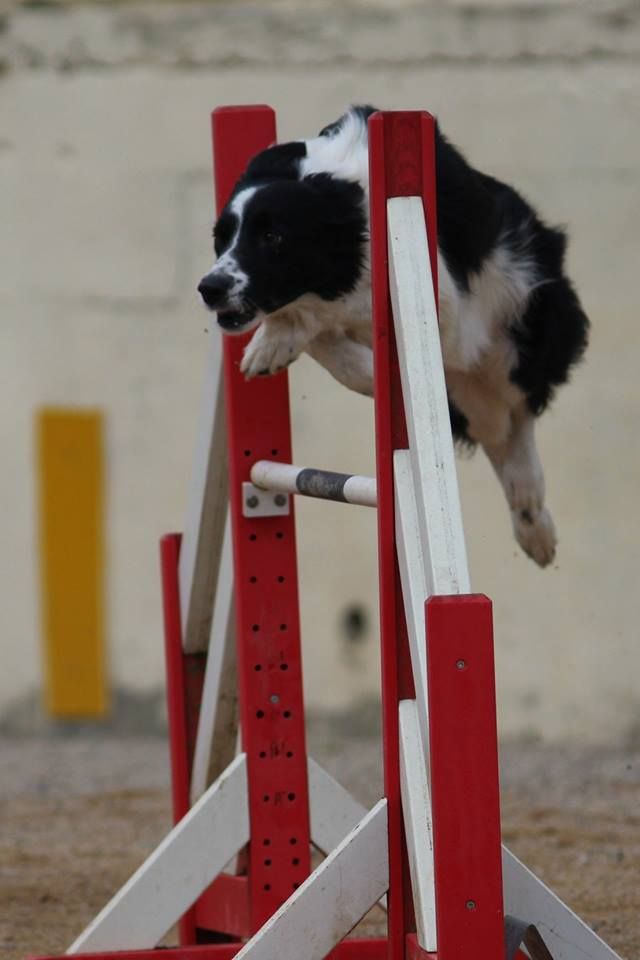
(71, 507)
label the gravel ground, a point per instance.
(80, 814)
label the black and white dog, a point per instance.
(293, 262)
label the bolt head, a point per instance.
(461, 664)
(470, 904)
(252, 501)
(280, 499)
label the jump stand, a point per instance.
(235, 872)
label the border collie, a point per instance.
(293, 263)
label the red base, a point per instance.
(371, 949)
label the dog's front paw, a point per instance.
(536, 535)
(268, 352)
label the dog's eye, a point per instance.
(272, 239)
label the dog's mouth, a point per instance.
(237, 321)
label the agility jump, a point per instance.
(431, 845)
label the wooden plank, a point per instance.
(425, 396)
(332, 809)
(207, 507)
(218, 718)
(565, 934)
(331, 900)
(464, 778)
(176, 873)
(71, 508)
(411, 561)
(416, 807)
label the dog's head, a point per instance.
(296, 224)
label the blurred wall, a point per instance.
(106, 213)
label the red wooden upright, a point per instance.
(266, 588)
(462, 708)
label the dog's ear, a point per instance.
(363, 111)
(280, 162)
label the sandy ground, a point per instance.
(78, 815)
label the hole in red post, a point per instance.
(259, 714)
(252, 536)
(291, 796)
(293, 841)
(284, 666)
(279, 535)
(255, 627)
(286, 714)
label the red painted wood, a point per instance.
(415, 951)
(464, 778)
(360, 948)
(224, 906)
(401, 159)
(216, 951)
(179, 699)
(356, 949)
(265, 576)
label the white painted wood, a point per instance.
(425, 397)
(416, 809)
(565, 934)
(206, 510)
(333, 811)
(175, 874)
(217, 732)
(411, 561)
(332, 900)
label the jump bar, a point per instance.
(311, 482)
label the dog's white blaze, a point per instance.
(227, 263)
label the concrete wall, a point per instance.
(106, 207)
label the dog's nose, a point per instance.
(213, 289)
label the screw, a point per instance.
(461, 664)
(252, 501)
(274, 698)
(470, 904)
(280, 500)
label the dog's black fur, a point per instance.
(296, 227)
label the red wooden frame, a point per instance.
(463, 742)
(266, 588)
(464, 774)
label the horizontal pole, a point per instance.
(311, 482)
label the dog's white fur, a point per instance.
(478, 356)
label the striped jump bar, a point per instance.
(311, 482)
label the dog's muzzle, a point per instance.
(214, 289)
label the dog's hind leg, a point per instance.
(350, 362)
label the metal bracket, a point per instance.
(263, 503)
